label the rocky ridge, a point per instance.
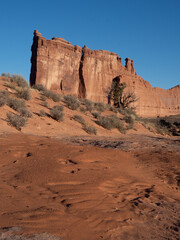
(59, 65)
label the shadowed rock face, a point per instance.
(57, 64)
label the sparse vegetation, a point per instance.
(83, 110)
(110, 122)
(16, 104)
(4, 96)
(16, 121)
(88, 104)
(99, 107)
(19, 80)
(130, 119)
(86, 128)
(42, 113)
(96, 114)
(54, 96)
(79, 119)
(39, 87)
(25, 112)
(57, 113)
(72, 102)
(23, 93)
(45, 104)
(90, 129)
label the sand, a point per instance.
(80, 191)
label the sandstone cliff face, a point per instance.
(89, 74)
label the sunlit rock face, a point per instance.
(86, 73)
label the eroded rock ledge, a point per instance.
(57, 64)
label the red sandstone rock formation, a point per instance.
(89, 73)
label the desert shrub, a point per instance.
(79, 119)
(24, 112)
(99, 107)
(16, 121)
(96, 114)
(83, 110)
(89, 104)
(90, 129)
(110, 122)
(39, 87)
(72, 102)
(130, 119)
(42, 113)
(4, 96)
(57, 113)
(86, 128)
(24, 93)
(45, 104)
(19, 80)
(54, 96)
(43, 98)
(127, 111)
(16, 104)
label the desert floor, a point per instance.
(89, 188)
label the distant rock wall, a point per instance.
(89, 73)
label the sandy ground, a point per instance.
(77, 189)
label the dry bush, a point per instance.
(16, 104)
(39, 87)
(16, 121)
(72, 102)
(54, 96)
(96, 114)
(42, 113)
(23, 93)
(79, 119)
(45, 104)
(19, 80)
(110, 122)
(90, 129)
(57, 113)
(99, 107)
(83, 110)
(89, 104)
(4, 96)
(130, 119)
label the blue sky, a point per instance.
(147, 31)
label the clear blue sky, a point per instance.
(147, 31)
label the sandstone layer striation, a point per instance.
(86, 73)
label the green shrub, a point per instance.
(110, 122)
(4, 96)
(100, 107)
(90, 129)
(16, 121)
(19, 80)
(16, 104)
(89, 104)
(57, 113)
(79, 119)
(72, 102)
(24, 93)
